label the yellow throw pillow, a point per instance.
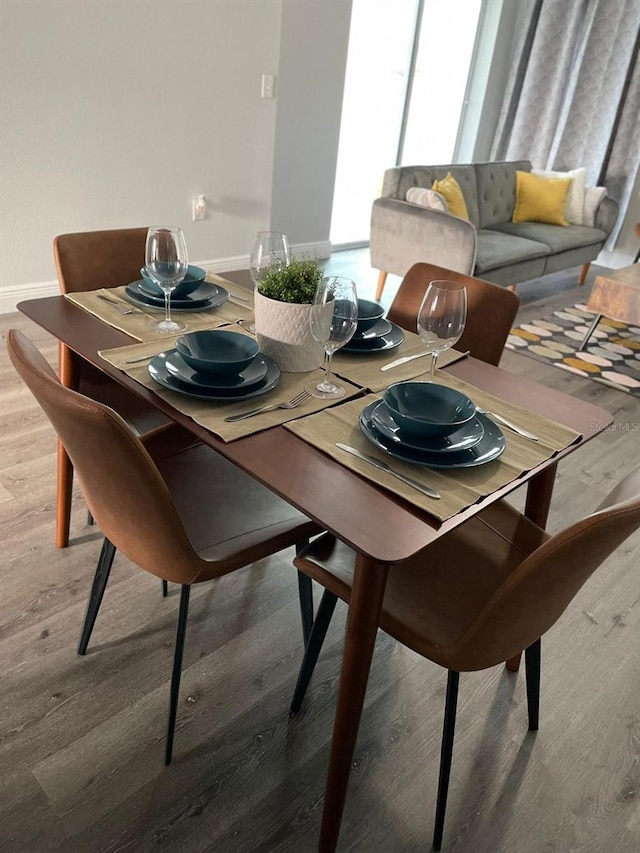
(540, 199)
(450, 189)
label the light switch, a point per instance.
(268, 86)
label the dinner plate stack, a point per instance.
(374, 333)
(432, 425)
(192, 294)
(217, 365)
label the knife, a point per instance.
(407, 358)
(378, 463)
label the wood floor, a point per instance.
(81, 739)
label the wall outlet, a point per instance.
(199, 208)
(268, 86)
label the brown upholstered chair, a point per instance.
(87, 261)
(173, 506)
(478, 596)
(491, 309)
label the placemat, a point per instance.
(460, 487)
(364, 370)
(137, 323)
(211, 414)
(241, 294)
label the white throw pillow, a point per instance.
(592, 198)
(427, 198)
(574, 205)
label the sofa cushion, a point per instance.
(556, 239)
(427, 198)
(497, 190)
(541, 199)
(498, 250)
(449, 188)
(574, 204)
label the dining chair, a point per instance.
(87, 261)
(491, 309)
(172, 505)
(479, 595)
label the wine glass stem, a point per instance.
(327, 370)
(434, 358)
(167, 309)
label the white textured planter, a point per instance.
(284, 333)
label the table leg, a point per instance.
(69, 371)
(367, 593)
(592, 329)
(536, 508)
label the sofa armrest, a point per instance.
(404, 234)
(607, 214)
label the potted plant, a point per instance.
(282, 303)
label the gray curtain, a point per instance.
(574, 97)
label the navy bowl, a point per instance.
(424, 409)
(368, 314)
(193, 279)
(217, 350)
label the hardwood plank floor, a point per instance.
(81, 739)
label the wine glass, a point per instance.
(333, 318)
(270, 251)
(441, 318)
(166, 262)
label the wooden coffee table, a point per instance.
(617, 296)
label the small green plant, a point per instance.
(296, 282)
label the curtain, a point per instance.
(574, 96)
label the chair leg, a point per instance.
(446, 754)
(532, 668)
(177, 670)
(313, 647)
(105, 561)
(305, 594)
(584, 272)
(592, 329)
(511, 287)
(165, 589)
(382, 280)
(90, 521)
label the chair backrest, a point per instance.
(536, 594)
(121, 484)
(491, 309)
(92, 259)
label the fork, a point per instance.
(287, 404)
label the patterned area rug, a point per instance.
(612, 355)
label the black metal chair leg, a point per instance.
(165, 589)
(305, 594)
(90, 521)
(532, 668)
(177, 670)
(446, 754)
(314, 645)
(592, 329)
(105, 561)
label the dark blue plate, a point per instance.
(468, 435)
(379, 329)
(206, 296)
(391, 340)
(159, 372)
(490, 446)
(245, 380)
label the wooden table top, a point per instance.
(327, 492)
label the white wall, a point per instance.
(115, 113)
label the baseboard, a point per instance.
(12, 295)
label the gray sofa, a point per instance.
(488, 245)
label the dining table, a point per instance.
(379, 523)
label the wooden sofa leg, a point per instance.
(382, 278)
(583, 273)
(511, 287)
